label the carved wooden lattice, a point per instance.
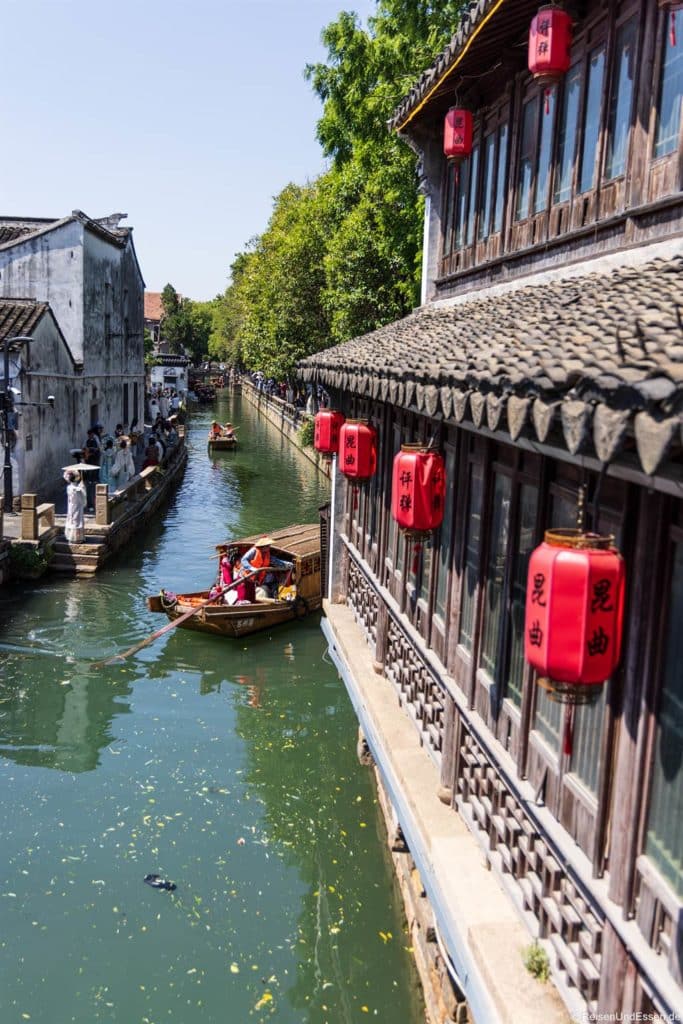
(656, 916)
(544, 887)
(418, 690)
(363, 600)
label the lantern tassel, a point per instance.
(547, 101)
(568, 740)
(355, 498)
(417, 551)
(672, 33)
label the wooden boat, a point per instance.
(221, 444)
(298, 544)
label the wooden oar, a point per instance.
(171, 625)
(183, 618)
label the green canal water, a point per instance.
(227, 767)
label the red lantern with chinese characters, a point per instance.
(357, 450)
(328, 423)
(574, 613)
(458, 133)
(550, 40)
(418, 489)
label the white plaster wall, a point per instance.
(49, 268)
(114, 358)
(157, 374)
(47, 369)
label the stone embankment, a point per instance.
(33, 542)
(287, 418)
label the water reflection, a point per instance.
(227, 767)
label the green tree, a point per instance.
(373, 257)
(186, 325)
(273, 313)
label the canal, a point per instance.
(226, 767)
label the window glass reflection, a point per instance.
(621, 99)
(670, 86)
(566, 142)
(591, 119)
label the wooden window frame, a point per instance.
(673, 535)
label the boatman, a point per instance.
(259, 557)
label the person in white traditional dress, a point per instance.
(123, 468)
(74, 526)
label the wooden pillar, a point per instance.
(29, 517)
(382, 639)
(448, 753)
(102, 516)
(2, 518)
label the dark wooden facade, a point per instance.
(590, 844)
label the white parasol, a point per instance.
(82, 467)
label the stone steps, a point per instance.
(79, 559)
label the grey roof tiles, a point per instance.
(612, 342)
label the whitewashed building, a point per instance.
(87, 271)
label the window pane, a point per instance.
(670, 86)
(664, 841)
(526, 158)
(495, 575)
(501, 178)
(566, 143)
(621, 99)
(451, 193)
(487, 185)
(425, 570)
(588, 720)
(591, 119)
(471, 566)
(444, 557)
(472, 206)
(462, 177)
(545, 150)
(526, 529)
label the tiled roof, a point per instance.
(10, 232)
(168, 359)
(153, 307)
(599, 355)
(18, 317)
(470, 21)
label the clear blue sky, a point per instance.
(189, 116)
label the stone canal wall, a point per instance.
(288, 419)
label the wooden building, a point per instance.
(546, 364)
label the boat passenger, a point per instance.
(215, 430)
(229, 432)
(259, 557)
(229, 572)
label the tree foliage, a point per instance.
(341, 255)
(186, 325)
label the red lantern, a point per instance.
(357, 450)
(418, 489)
(328, 423)
(458, 133)
(550, 40)
(574, 613)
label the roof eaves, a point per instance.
(472, 23)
